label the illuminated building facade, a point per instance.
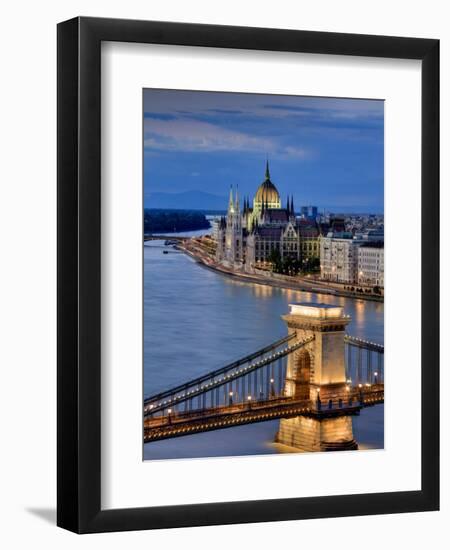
(247, 238)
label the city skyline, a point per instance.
(323, 151)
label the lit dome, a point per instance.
(267, 194)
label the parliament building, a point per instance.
(248, 236)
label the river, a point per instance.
(196, 320)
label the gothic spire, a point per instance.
(230, 202)
(237, 199)
(288, 208)
(292, 206)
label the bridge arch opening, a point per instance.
(302, 374)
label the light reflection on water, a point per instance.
(196, 320)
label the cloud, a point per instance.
(159, 116)
(295, 152)
(289, 108)
(193, 136)
(329, 107)
(333, 113)
(227, 111)
(284, 127)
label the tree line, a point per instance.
(292, 266)
(171, 221)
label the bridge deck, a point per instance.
(202, 420)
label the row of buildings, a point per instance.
(249, 238)
(352, 260)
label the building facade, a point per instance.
(262, 234)
(215, 228)
(371, 264)
(250, 237)
(339, 259)
(348, 259)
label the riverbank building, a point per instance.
(248, 236)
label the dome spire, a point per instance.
(267, 195)
(267, 169)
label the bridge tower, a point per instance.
(317, 372)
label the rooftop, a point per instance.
(317, 310)
(373, 244)
(314, 304)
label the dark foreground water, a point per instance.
(196, 320)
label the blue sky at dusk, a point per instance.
(325, 151)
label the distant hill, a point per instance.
(188, 200)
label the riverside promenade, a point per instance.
(196, 249)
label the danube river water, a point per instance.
(196, 320)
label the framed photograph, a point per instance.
(248, 259)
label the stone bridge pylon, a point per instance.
(317, 372)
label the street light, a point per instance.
(230, 400)
(169, 411)
(249, 399)
(375, 374)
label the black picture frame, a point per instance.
(79, 276)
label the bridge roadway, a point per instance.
(203, 420)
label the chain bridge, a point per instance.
(314, 380)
